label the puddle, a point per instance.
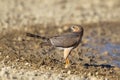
(108, 51)
(114, 52)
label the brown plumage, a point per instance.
(67, 41)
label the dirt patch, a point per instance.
(22, 52)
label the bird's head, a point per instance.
(76, 28)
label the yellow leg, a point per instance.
(67, 63)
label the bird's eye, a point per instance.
(73, 26)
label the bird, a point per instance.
(66, 41)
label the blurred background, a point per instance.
(16, 13)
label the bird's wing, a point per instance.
(66, 40)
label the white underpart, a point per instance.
(67, 52)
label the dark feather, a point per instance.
(66, 40)
(35, 36)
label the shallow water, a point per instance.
(108, 51)
(114, 52)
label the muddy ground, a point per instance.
(88, 60)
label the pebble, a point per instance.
(69, 72)
(19, 39)
(106, 53)
(27, 64)
(65, 28)
(49, 68)
(85, 41)
(96, 73)
(116, 68)
(7, 56)
(60, 30)
(89, 74)
(42, 31)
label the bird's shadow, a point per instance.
(101, 65)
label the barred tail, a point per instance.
(46, 41)
(36, 36)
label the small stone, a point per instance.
(7, 56)
(25, 29)
(36, 46)
(26, 64)
(19, 39)
(49, 68)
(41, 31)
(96, 73)
(85, 41)
(116, 68)
(60, 30)
(65, 28)
(106, 53)
(89, 74)
(0, 53)
(69, 72)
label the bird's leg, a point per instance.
(67, 63)
(66, 54)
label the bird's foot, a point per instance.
(67, 65)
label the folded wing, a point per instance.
(66, 40)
